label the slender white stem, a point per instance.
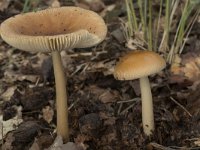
(61, 97)
(147, 106)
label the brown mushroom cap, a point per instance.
(54, 29)
(138, 64)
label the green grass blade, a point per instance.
(150, 42)
(158, 26)
(26, 6)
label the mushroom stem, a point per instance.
(147, 106)
(61, 97)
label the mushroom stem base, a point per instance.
(147, 106)
(61, 97)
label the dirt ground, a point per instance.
(104, 114)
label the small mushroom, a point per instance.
(141, 64)
(53, 30)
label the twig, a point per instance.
(184, 148)
(161, 147)
(129, 107)
(181, 106)
(87, 54)
(120, 108)
(37, 81)
(127, 101)
(70, 107)
(130, 100)
(78, 69)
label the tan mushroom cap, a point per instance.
(138, 64)
(54, 29)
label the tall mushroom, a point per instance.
(51, 31)
(141, 64)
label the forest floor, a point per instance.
(104, 113)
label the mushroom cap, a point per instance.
(54, 29)
(138, 64)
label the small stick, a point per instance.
(72, 105)
(130, 100)
(87, 54)
(129, 107)
(120, 107)
(161, 147)
(181, 106)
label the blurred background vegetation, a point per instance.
(161, 25)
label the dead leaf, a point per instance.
(48, 114)
(193, 101)
(192, 70)
(44, 140)
(58, 145)
(176, 69)
(104, 95)
(94, 5)
(130, 44)
(8, 142)
(90, 124)
(110, 136)
(13, 76)
(118, 35)
(107, 67)
(10, 124)
(8, 93)
(82, 5)
(107, 9)
(109, 96)
(197, 142)
(80, 139)
(4, 4)
(108, 120)
(70, 146)
(176, 66)
(187, 67)
(137, 41)
(23, 135)
(35, 145)
(55, 3)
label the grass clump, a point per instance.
(156, 25)
(30, 5)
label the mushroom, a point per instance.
(141, 64)
(51, 31)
